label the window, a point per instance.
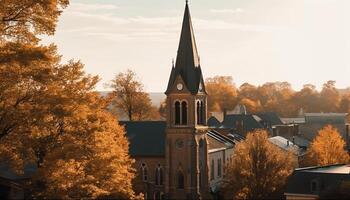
(219, 167)
(159, 175)
(314, 186)
(184, 112)
(212, 174)
(180, 180)
(198, 112)
(177, 113)
(144, 172)
(202, 113)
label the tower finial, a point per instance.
(186, 1)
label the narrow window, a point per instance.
(144, 172)
(212, 170)
(184, 113)
(314, 186)
(202, 113)
(177, 113)
(159, 176)
(219, 167)
(180, 180)
(198, 113)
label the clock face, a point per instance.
(179, 86)
(179, 143)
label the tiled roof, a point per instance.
(325, 177)
(270, 117)
(147, 138)
(249, 122)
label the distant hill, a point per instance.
(156, 97)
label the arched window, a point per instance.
(198, 112)
(144, 172)
(180, 180)
(159, 175)
(202, 113)
(184, 113)
(177, 113)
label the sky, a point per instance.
(254, 41)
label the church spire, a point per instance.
(187, 63)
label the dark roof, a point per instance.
(326, 176)
(270, 117)
(8, 173)
(213, 122)
(187, 62)
(250, 123)
(147, 138)
(217, 140)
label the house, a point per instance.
(241, 122)
(316, 182)
(181, 157)
(288, 146)
(306, 128)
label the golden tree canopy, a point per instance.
(327, 148)
(222, 93)
(258, 169)
(129, 97)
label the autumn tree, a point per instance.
(50, 117)
(327, 148)
(129, 97)
(258, 169)
(307, 99)
(24, 20)
(222, 93)
(329, 97)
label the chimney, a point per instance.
(225, 113)
(293, 139)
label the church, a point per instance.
(180, 158)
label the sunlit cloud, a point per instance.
(91, 7)
(227, 11)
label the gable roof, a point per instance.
(270, 117)
(218, 141)
(146, 138)
(326, 176)
(187, 61)
(250, 122)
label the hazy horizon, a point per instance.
(256, 41)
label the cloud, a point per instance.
(227, 11)
(92, 7)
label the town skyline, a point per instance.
(255, 42)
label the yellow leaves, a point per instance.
(221, 93)
(130, 98)
(327, 148)
(258, 168)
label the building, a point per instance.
(238, 121)
(180, 158)
(316, 182)
(305, 128)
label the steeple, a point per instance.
(187, 61)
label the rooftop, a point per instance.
(330, 169)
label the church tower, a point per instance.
(186, 139)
